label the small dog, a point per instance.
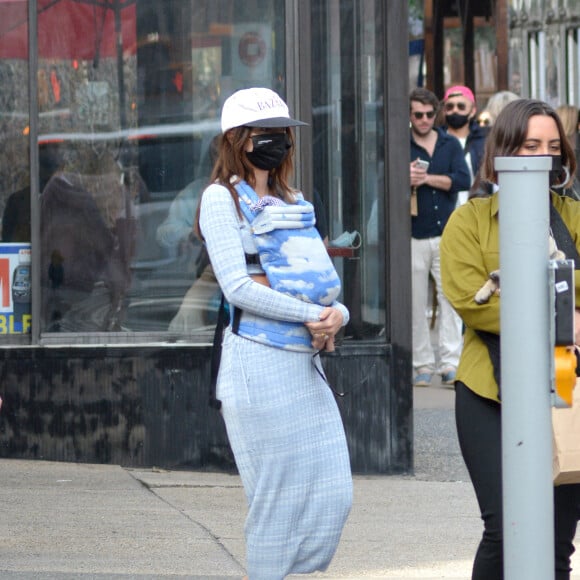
(491, 286)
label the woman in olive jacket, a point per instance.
(469, 252)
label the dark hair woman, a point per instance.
(469, 252)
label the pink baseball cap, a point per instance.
(459, 90)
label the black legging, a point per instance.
(479, 431)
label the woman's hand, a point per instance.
(325, 329)
(577, 327)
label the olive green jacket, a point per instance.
(469, 252)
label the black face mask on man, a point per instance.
(456, 120)
(270, 150)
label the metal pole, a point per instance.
(528, 506)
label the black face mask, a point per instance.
(456, 121)
(557, 173)
(270, 150)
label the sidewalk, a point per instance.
(62, 520)
(75, 521)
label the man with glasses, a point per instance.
(437, 172)
(460, 121)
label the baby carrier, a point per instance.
(292, 254)
(296, 262)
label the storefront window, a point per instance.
(129, 95)
(348, 137)
(15, 280)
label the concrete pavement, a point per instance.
(67, 521)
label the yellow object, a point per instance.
(565, 372)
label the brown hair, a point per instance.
(508, 134)
(232, 162)
(425, 97)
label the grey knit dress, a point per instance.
(282, 420)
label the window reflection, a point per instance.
(573, 6)
(551, 65)
(88, 219)
(348, 136)
(124, 148)
(515, 67)
(15, 255)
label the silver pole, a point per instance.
(528, 506)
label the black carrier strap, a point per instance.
(216, 353)
(236, 320)
(566, 244)
(563, 238)
(252, 259)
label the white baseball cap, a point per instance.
(256, 107)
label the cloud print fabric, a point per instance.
(291, 251)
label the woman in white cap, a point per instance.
(282, 420)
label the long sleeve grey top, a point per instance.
(228, 239)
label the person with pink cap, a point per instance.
(460, 121)
(437, 172)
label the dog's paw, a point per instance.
(490, 288)
(483, 295)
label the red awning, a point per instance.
(68, 29)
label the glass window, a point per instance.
(535, 9)
(516, 66)
(348, 146)
(124, 143)
(572, 7)
(551, 65)
(15, 183)
(573, 64)
(416, 44)
(536, 51)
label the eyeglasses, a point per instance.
(460, 106)
(419, 116)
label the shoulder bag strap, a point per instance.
(563, 237)
(216, 354)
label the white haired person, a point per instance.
(494, 107)
(282, 419)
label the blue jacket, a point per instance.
(435, 205)
(475, 145)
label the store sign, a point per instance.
(15, 288)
